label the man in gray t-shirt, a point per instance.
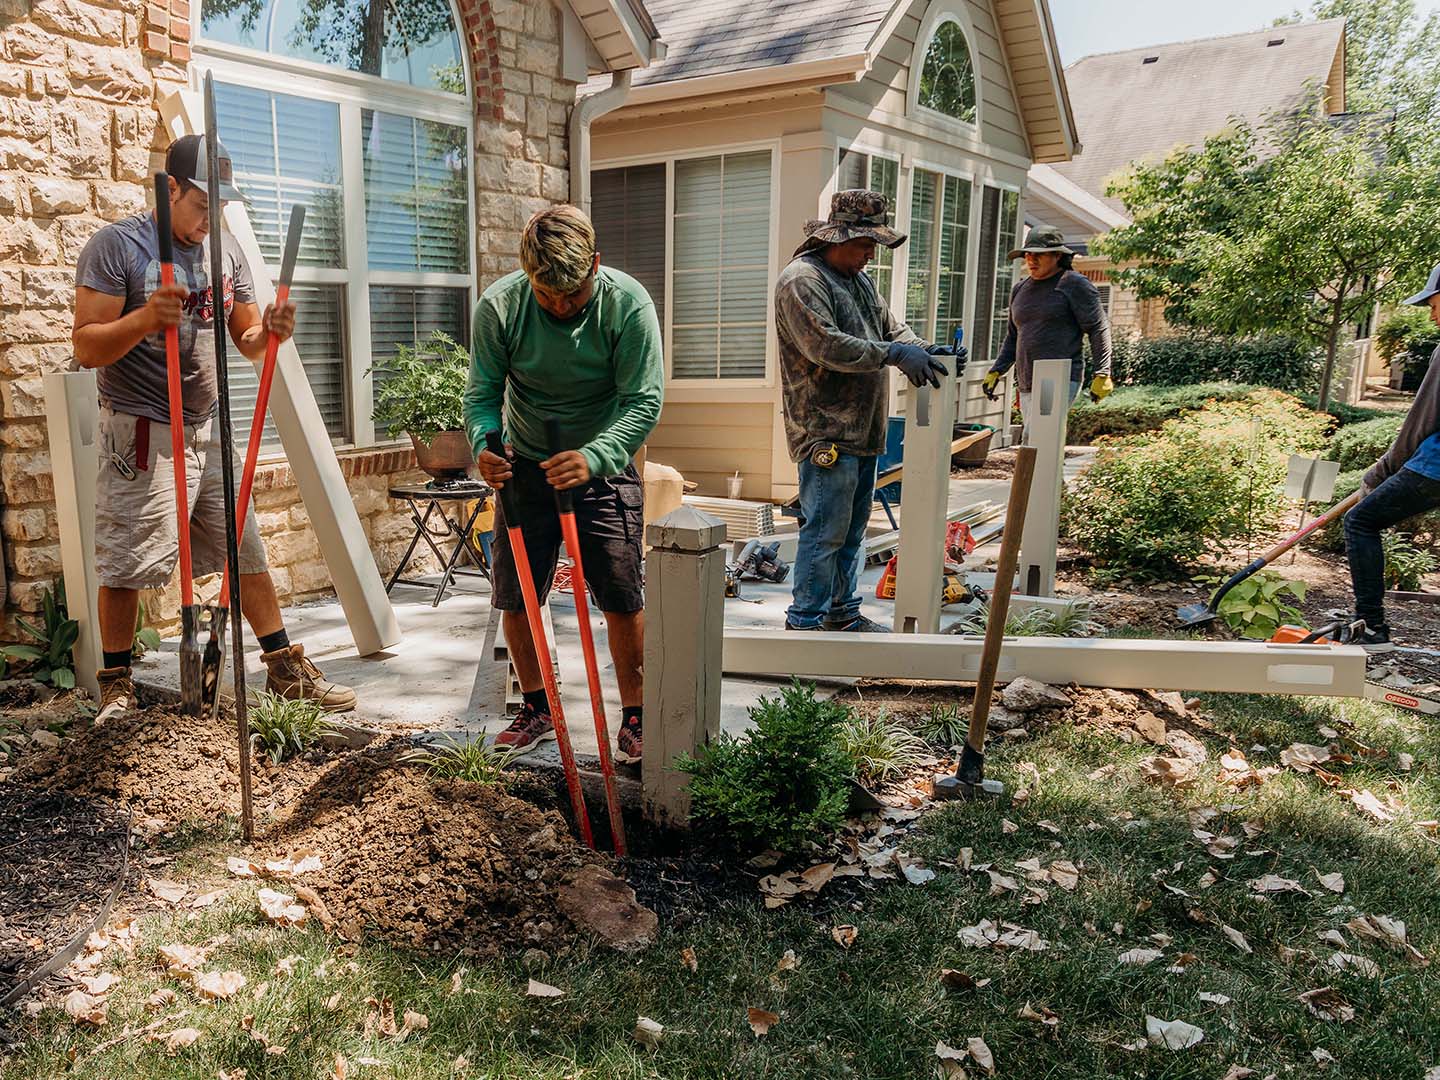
(121, 315)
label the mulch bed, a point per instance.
(60, 858)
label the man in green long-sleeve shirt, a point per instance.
(568, 339)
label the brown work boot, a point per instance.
(117, 693)
(293, 676)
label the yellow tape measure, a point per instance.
(825, 456)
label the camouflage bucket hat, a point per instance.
(854, 215)
(1040, 241)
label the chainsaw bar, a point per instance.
(1408, 678)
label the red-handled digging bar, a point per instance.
(569, 529)
(214, 666)
(496, 446)
(190, 616)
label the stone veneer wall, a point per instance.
(80, 83)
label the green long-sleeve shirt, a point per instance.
(600, 374)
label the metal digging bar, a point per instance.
(496, 446)
(969, 779)
(214, 666)
(570, 530)
(190, 615)
(227, 448)
(1196, 615)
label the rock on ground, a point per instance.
(1026, 695)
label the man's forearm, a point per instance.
(101, 344)
(252, 343)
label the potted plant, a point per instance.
(419, 393)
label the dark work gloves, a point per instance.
(961, 355)
(916, 364)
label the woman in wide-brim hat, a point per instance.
(1052, 312)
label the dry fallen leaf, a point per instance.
(241, 867)
(1404, 762)
(413, 1021)
(280, 908)
(982, 1055)
(160, 998)
(648, 1033)
(293, 864)
(1214, 999)
(1140, 957)
(100, 984)
(1007, 826)
(915, 870)
(844, 935)
(959, 980)
(1171, 771)
(1236, 938)
(1238, 1072)
(788, 962)
(85, 1008)
(1363, 965)
(286, 965)
(1388, 931)
(1065, 874)
(1334, 882)
(172, 892)
(1367, 803)
(950, 1060)
(761, 1021)
(1172, 1034)
(1322, 1057)
(543, 990)
(689, 959)
(980, 936)
(1328, 1004)
(1000, 884)
(1273, 883)
(341, 1070)
(217, 985)
(182, 959)
(1303, 755)
(1041, 1015)
(177, 1040)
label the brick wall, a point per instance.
(79, 131)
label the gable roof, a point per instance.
(621, 31)
(720, 46)
(1130, 107)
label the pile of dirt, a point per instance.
(435, 865)
(163, 765)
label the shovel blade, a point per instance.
(1195, 615)
(212, 667)
(191, 661)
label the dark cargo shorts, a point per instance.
(610, 518)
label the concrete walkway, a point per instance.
(438, 678)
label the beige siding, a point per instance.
(708, 441)
(886, 86)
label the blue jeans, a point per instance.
(836, 504)
(1404, 495)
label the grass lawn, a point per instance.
(878, 1009)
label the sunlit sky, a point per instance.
(1094, 26)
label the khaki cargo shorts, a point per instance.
(136, 545)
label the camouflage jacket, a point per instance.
(834, 334)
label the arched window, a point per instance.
(383, 168)
(947, 79)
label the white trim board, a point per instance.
(1240, 667)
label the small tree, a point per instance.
(1301, 226)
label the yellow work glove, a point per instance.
(1102, 386)
(992, 380)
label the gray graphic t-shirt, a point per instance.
(123, 259)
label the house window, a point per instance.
(939, 248)
(719, 277)
(947, 78)
(999, 217)
(1104, 291)
(383, 173)
(880, 174)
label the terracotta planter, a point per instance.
(446, 457)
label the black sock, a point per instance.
(537, 700)
(629, 713)
(117, 659)
(275, 642)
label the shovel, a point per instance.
(569, 529)
(190, 613)
(496, 446)
(214, 665)
(227, 447)
(1196, 615)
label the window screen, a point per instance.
(720, 308)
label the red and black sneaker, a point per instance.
(529, 727)
(629, 740)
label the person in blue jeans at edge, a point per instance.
(837, 338)
(1403, 483)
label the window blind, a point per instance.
(628, 211)
(405, 315)
(954, 252)
(720, 300)
(416, 206)
(922, 248)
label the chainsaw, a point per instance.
(1382, 670)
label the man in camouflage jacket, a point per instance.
(837, 336)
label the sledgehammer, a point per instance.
(969, 780)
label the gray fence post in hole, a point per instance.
(684, 636)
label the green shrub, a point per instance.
(1153, 504)
(1405, 564)
(1408, 338)
(1131, 410)
(283, 727)
(51, 660)
(472, 760)
(880, 748)
(1072, 620)
(1257, 607)
(944, 725)
(1273, 360)
(1358, 446)
(784, 784)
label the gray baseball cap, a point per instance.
(1432, 287)
(186, 162)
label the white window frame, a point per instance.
(354, 92)
(859, 146)
(771, 266)
(940, 15)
